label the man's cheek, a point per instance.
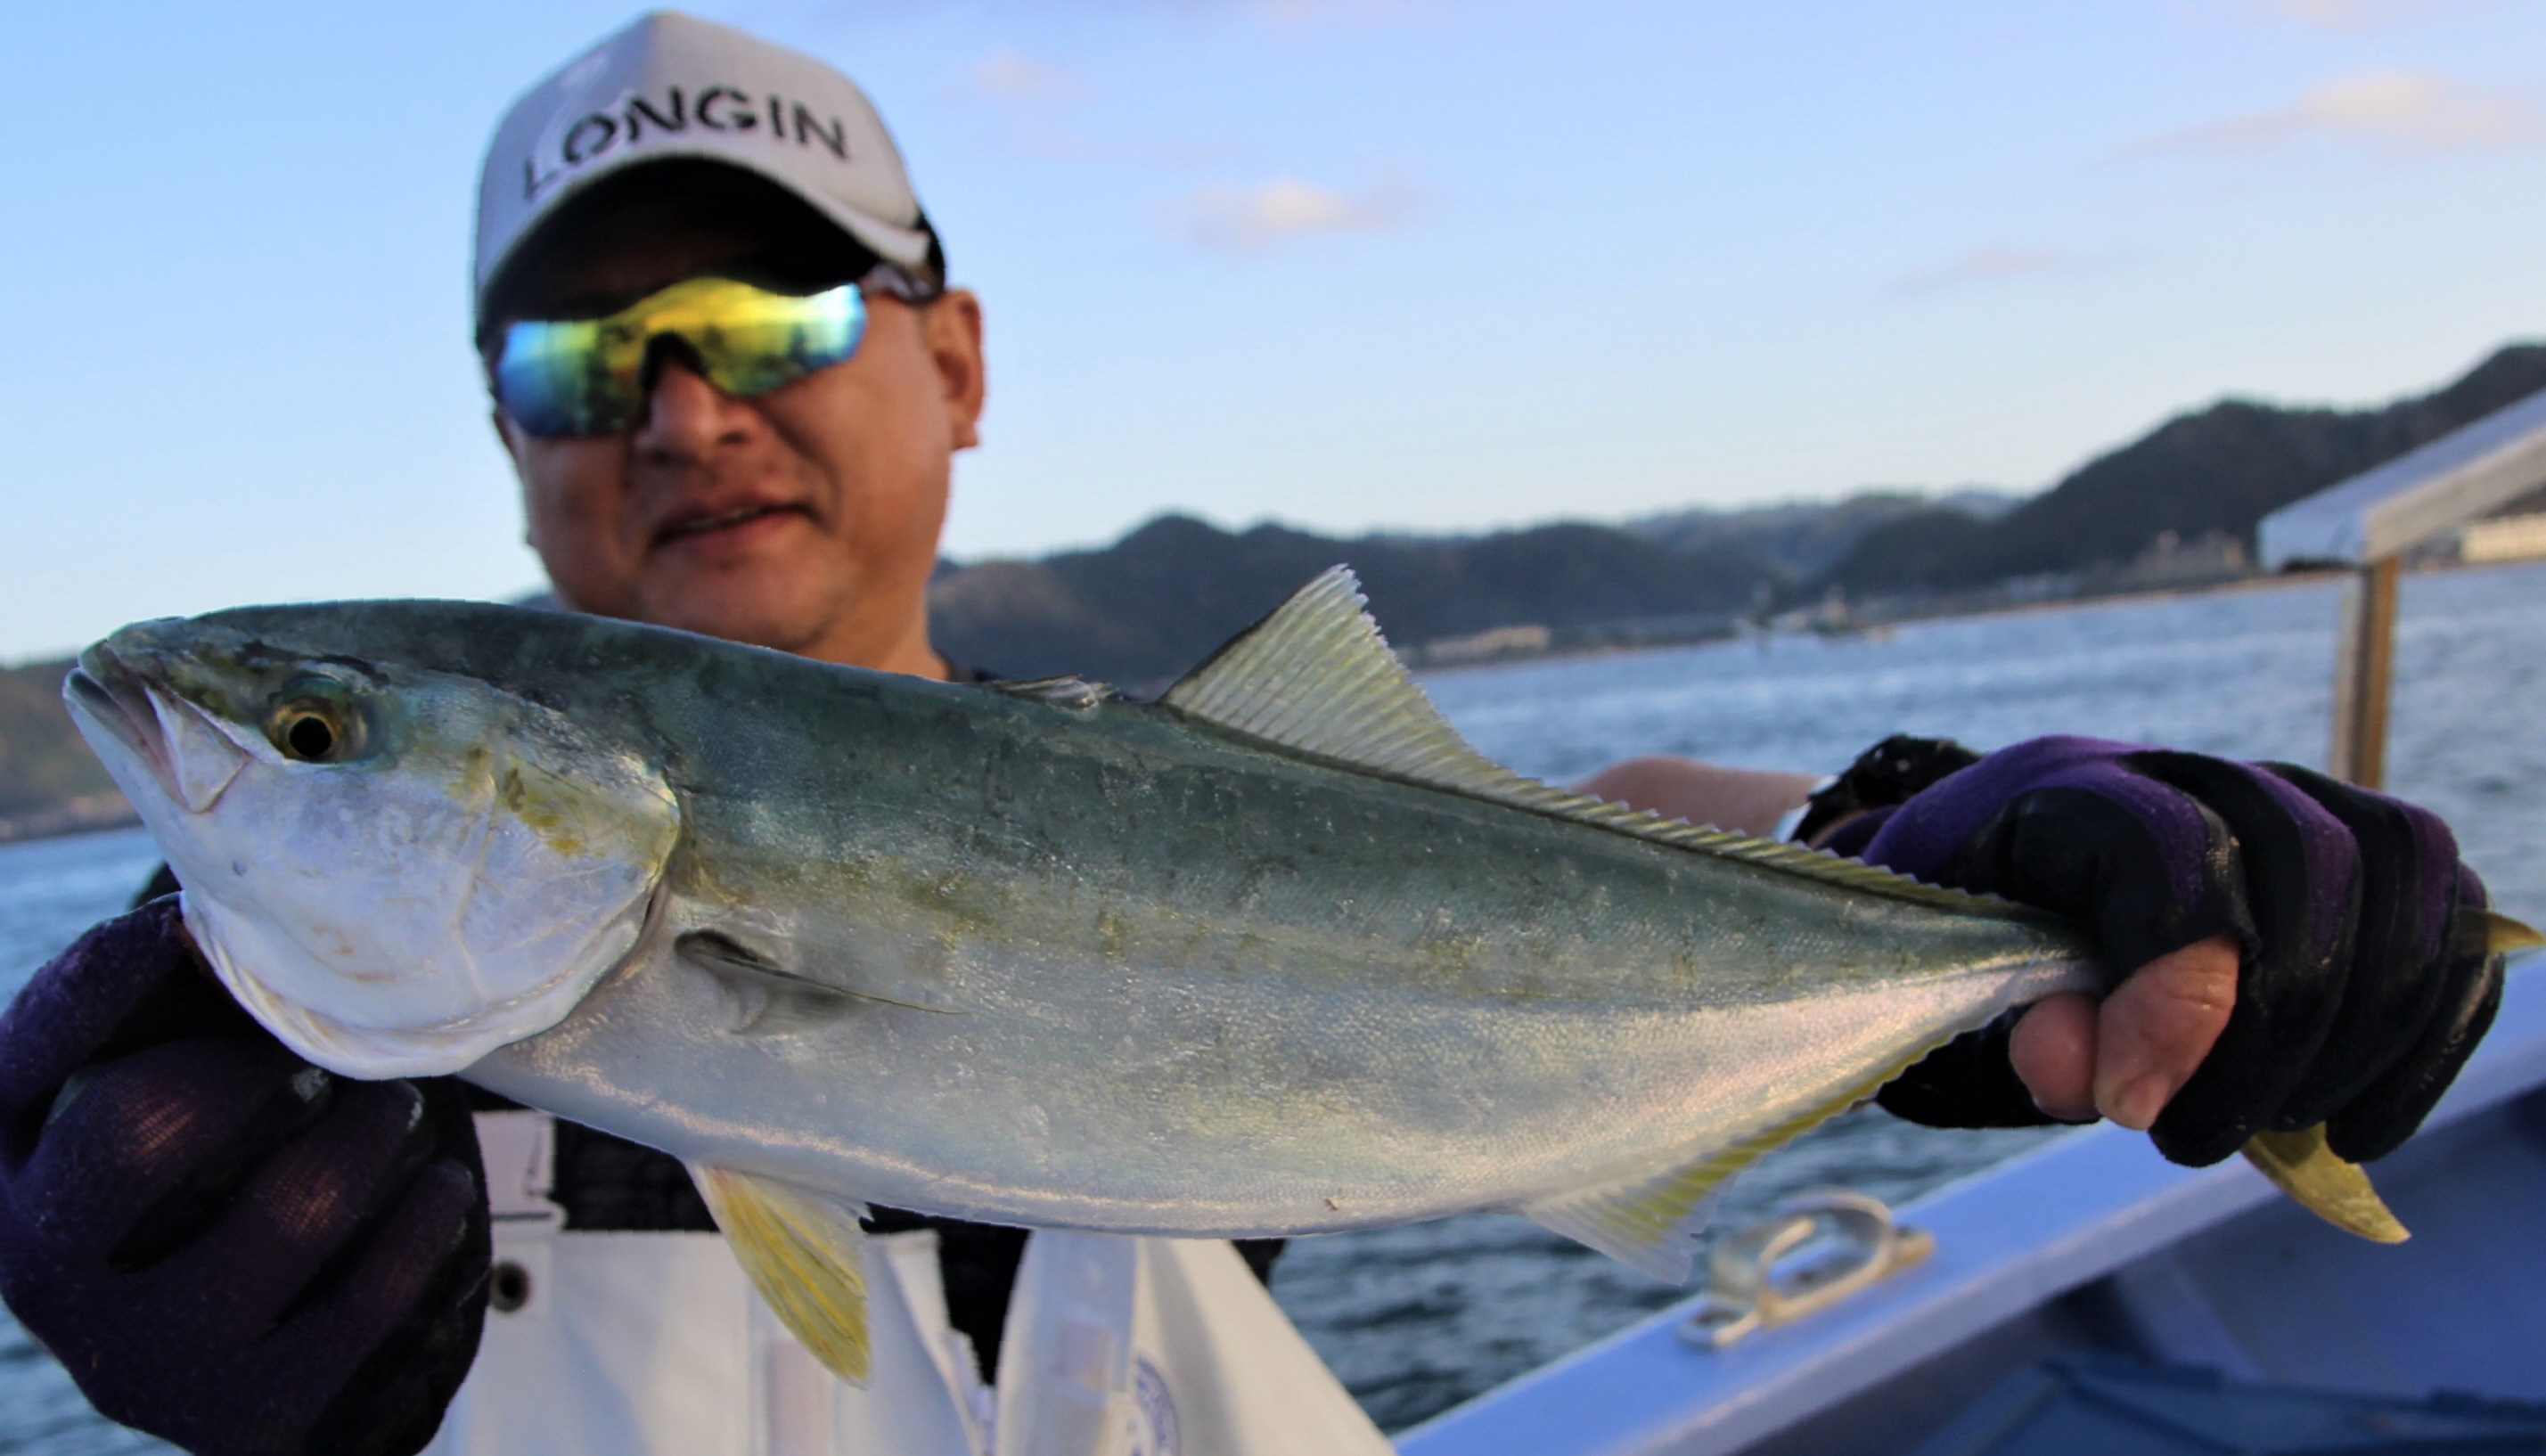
(587, 532)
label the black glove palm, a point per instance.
(226, 1246)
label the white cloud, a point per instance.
(1251, 219)
(1031, 108)
(2407, 109)
(1996, 264)
(1011, 75)
(1294, 12)
(2353, 15)
(2325, 14)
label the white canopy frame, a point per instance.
(2368, 522)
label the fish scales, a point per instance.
(1279, 954)
(1299, 977)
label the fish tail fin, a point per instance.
(2299, 1164)
(804, 1253)
(2490, 933)
(2302, 1166)
(1649, 1220)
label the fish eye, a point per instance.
(314, 722)
(308, 736)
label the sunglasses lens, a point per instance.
(584, 377)
(752, 342)
(558, 379)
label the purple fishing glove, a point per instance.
(226, 1246)
(2356, 1004)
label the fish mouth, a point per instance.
(188, 757)
(103, 694)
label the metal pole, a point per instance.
(2363, 668)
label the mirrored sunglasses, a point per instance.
(587, 375)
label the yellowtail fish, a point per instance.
(1280, 953)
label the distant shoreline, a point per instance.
(1884, 625)
(86, 816)
(2276, 581)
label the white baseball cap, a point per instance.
(673, 86)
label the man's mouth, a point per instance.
(687, 527)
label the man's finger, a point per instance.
(2053, 1050)
(131, 1133)
(2156, 1027)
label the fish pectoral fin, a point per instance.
(805, 1255)
(2301, 1166)
(777, 998)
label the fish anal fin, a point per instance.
(1315, 676)
(805, 1255)
(1649, 1221)
(1650, 1224)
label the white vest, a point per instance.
(655, 1344)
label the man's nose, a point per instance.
(687, 417)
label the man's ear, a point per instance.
(504, 436)
(954, 325)
(504, 429)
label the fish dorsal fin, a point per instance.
(1316, 677)
(804, 1253)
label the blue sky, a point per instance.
(1350, 264)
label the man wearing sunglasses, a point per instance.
(732, 381)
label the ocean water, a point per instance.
(1415, 1319)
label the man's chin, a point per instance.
(742, 607)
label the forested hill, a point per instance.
(48, 780)
(2220, 468)
(1162, 597)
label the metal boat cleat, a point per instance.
(1831, 1243)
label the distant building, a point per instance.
(1525, 640)
(2170, 561)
